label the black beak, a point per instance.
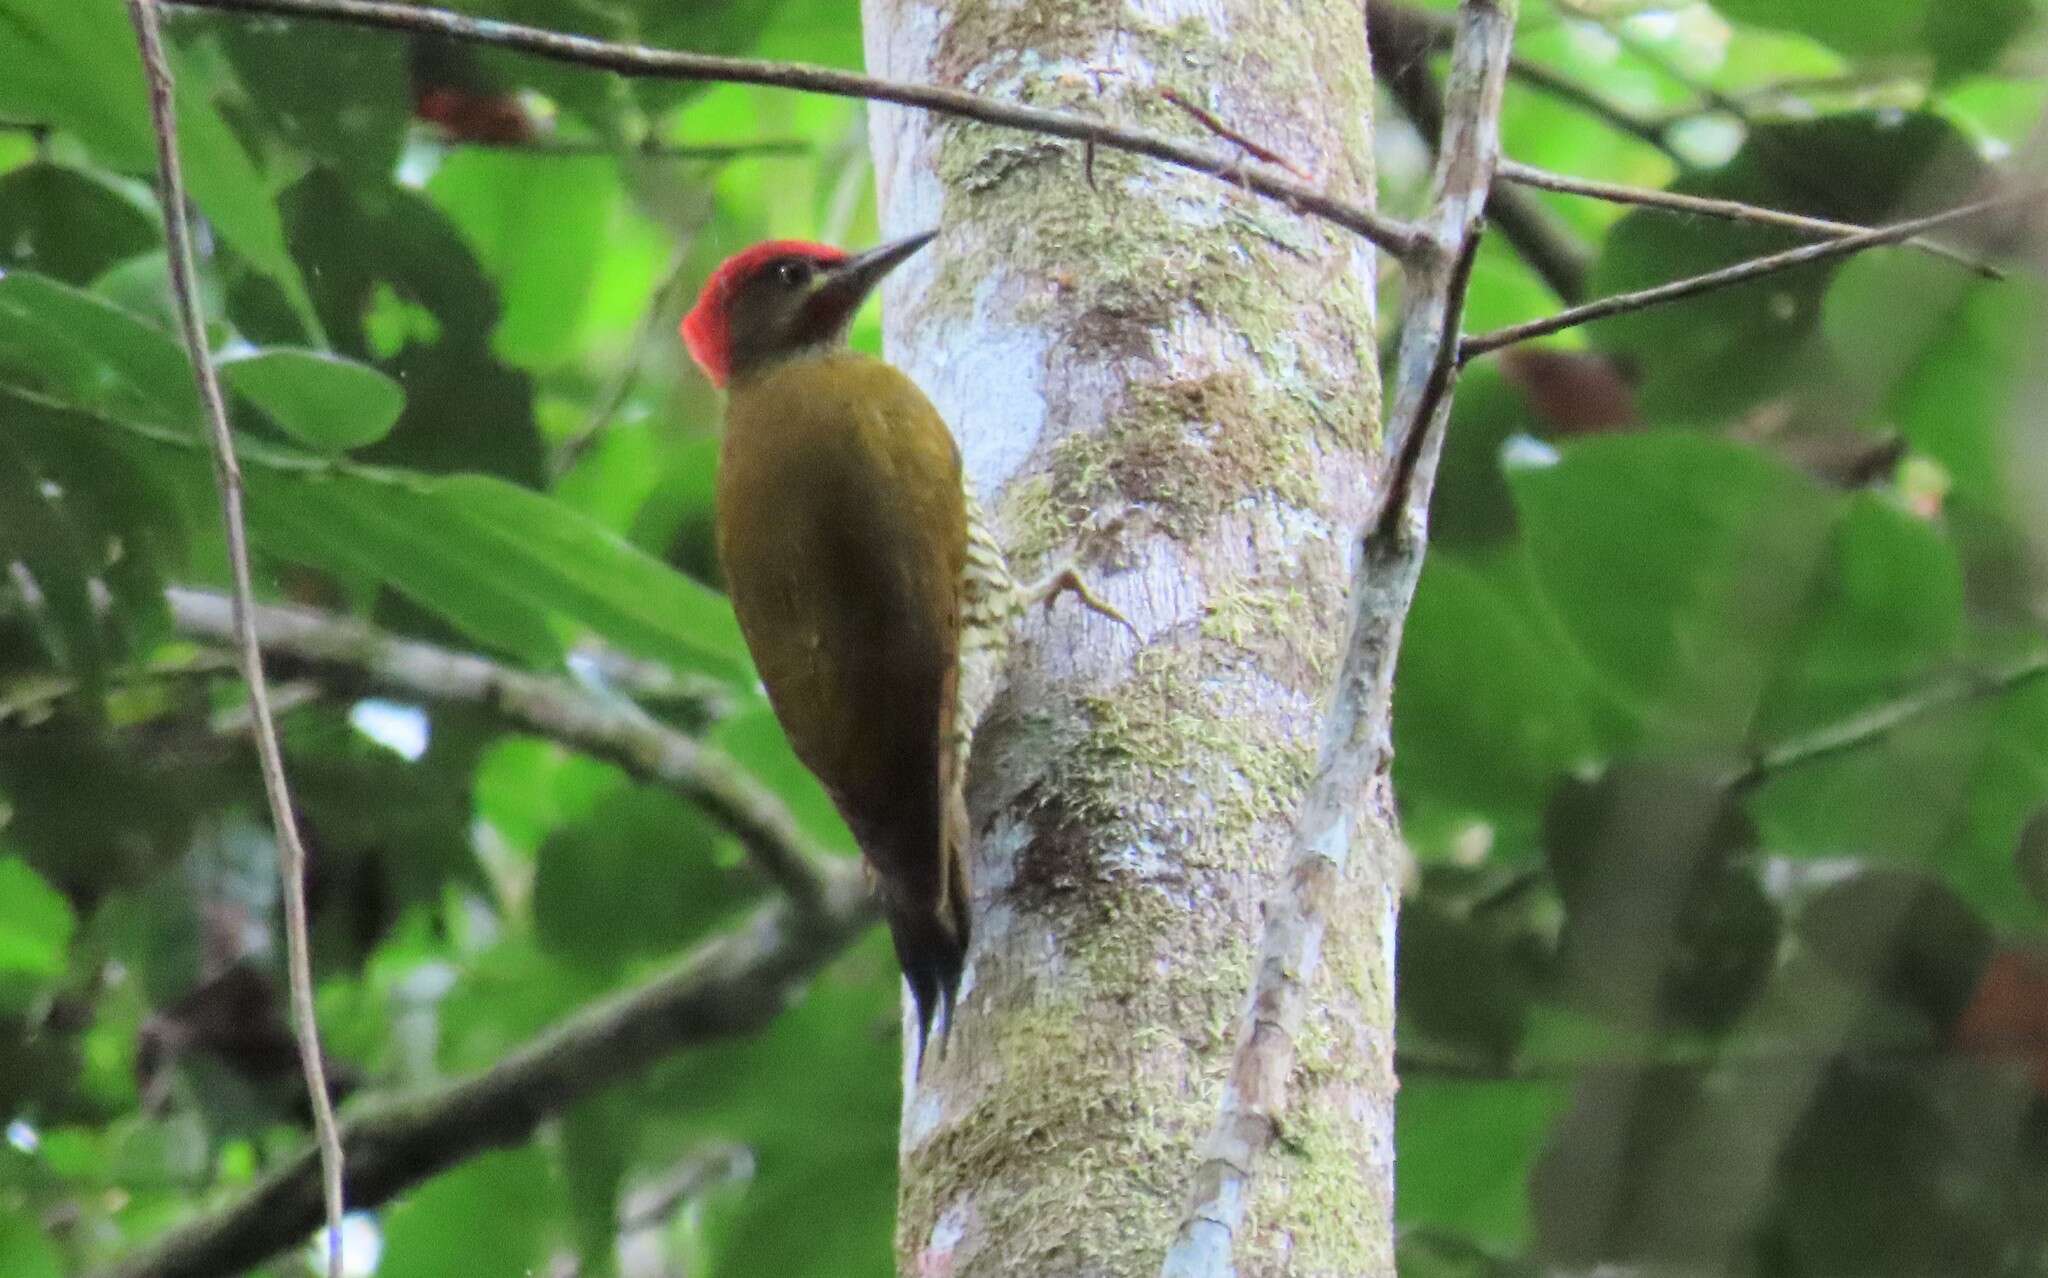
(856, 277)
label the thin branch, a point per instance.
(1766, 1058)
(1432, 32)
(1352, 760)
(1651, 130)
(731, 986)
(1412, 461)
(1208, 120)
(1731, 210)
(1729, 276)
(697, 698)
(607, 727)
(227, 473)
(1880, 721)
(1400, 63)
(653, 320)
(1396, 237)
(1560, 259)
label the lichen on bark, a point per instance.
(1176, 383)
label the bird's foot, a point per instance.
(1067, 579)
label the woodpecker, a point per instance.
(877, 606)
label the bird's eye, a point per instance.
(795, 273)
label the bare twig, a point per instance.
(1729, 276)
(609, 728)
(1880, 721)
(731, 986)
(1400, 63)
(660, 307)
(1432, 31)
(1256, 149)
(227, 473)
(1352, 760)
(1396, 237)
(1411, 456)
(1730, 210)
(1651, 130)
(1761, 1058)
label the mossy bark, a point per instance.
(1174, 383)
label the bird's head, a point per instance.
(780, 299)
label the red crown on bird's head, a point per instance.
(707, 330)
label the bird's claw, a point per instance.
(1068, 580)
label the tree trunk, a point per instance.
(1176, 384)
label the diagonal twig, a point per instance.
(1879, 721)
(1400, 64)
(1426, 31)
(1390, 234)
(1730, 210)
(728, 987)
(608, 728)
(227, 473)
(1740, 273)
(1250, 146)
(1352, 758)
(657, 316)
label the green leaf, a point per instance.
(1970, 35)
(588, 573)
(1960, 35)
(641, 876)
(90, 353)
(407, 823)
(24, 1252)
(506, 995)
(520, 571)
(1950, 789)
(504, 563)
(36, 533)
(526, 788)
(1887, 609)
(1950, 371)
(1682, 567)
(1709, 358)
(324, 401)
(1466, 1154)
(75, 66)
(35, 922)
(598, 1142)
(390, 254)
(1868, 27)
(379, 533)
(756, 742)
(845, 1195)
(128, 524)
(69, 224)
(336, 95)
(824, 1139)
(1492, 700)
(489, 1216)
(537, 223)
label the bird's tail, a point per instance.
(920, 869)
(933, 952)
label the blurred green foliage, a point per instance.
(1722, 740)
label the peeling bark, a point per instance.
(1177, 385)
